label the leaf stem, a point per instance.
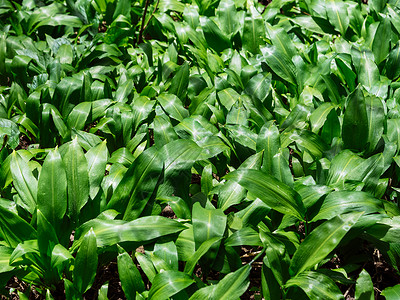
(306, 227)
(258, 256)
(154, 11)
(144, 26)
(146, 6)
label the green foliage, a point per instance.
(271, 133)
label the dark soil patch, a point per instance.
(24, 142)
(106, 274)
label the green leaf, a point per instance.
(59, 124)
(231, 192)
(337, 15)
(191, 16)
(272, 192)
(382, 39)
(77, 179)
(319, 116)
(377, 5)
(202, 250)
(269, 285)
(86, 92)
(308, 23)
(167, 252)
(321, 241)
(369, 172)
(207, 180)
(204, 293)
(78, 116)
(227, 17)
(238, 114)
(47, 237)
(175, 5)
(276, 258)
(355, 121)
(180, 82)
(24, 249)
(59, 20)
(280, 63)
(163, 131)
(393, 131)
(364, 287)
(385, 229)
(233, 285)
(215, 38)
(341, 165)
(207, 224)
(14, 229)
(24, 182)
(70, 290)
(103, 291)
(60, 258)
(376, 118)
(168, 283)
(228, 97)
(332, 88)
(142, 107)
(52, 189)
(5, 255)
(173, 106)
(9, 134)
(86, 140)
(253, 29)
(393, 63)
(3, 48)
(281, 40)
(159, 263)
(178, 205)
(368, 75)
(281, 169)
(111, 232)
(65, 54)
(96, 159)
(19, 66)
(123, 91)
(244, 236)
(131, 281)
(394, 17)
(122, 156)
(342, 202)
(391, 293)
(269, 141)
(86, 262)
(347, 72)
(49, 295)
(316, 285)
(243, 135)
(178, 156)
(137, 185)
(147, 265)
(259, 86)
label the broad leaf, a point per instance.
(316, 285)
(275, 194)
(168, 283)
(321, 242)
(86, 262)
(111, 232)
(52, 189)
(355, 121)
(24, 182)
(77, 179)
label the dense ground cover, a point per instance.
(199, 149)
